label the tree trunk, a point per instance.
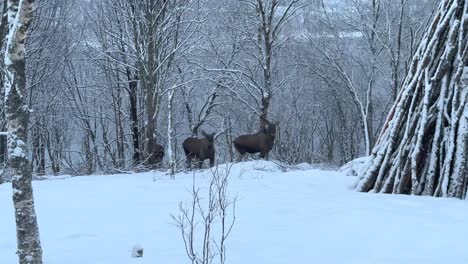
(20, 14)
(150, 135)
(3, 138)
(3, 146)
(133, 85)
(171, 132)
(88, 155)
(53, 153)
(422, 149)
(229, 139)
(148, 70)
(38, 145)
(266, 42)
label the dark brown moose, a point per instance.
(200, 149)
(262, 141)
(158, 153)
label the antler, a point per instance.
(265, 120)
(204, 133)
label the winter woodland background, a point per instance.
(105, 77)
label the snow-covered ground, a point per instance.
(299, 216)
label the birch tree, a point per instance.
(20, 14)
(422, 148)
(171, 132)
(265, 21)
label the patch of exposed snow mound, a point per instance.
(240, 169)
(260, 168)
(304, 166)
(50, 177)
(137, 251)
(259, 165)
(356, 167)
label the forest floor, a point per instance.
(301, 215)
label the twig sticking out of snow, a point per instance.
(199, 219)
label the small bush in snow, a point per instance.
(205, 224)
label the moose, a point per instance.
(200, 149)
(262, 141)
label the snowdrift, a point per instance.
(283, 215)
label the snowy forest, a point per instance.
(105, 88)
(360, 95)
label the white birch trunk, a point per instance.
(20, 13)
(170, 132)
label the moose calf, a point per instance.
(200, 149)
(262, 141)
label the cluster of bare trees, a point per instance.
(112, 80)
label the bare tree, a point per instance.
(116, 57)
(262, 31)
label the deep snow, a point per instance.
(298, 216)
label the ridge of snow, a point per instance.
(300, 215)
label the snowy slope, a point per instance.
(299, 216)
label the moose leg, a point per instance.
(200, 163)
(188, 162)
(211, 162)
(264, 155)
(240, 157)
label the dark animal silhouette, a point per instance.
(158, 153)
(262, 141)
(200, 149)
